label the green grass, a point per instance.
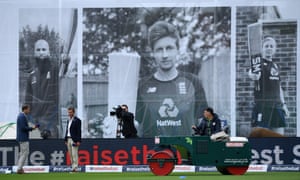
(150, 176)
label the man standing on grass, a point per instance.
(23, 136)
(73, 137)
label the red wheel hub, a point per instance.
(162, 163)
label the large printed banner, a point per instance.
(266, 151)
(237, 58)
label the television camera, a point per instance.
(117, 111)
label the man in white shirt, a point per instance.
(73, 137)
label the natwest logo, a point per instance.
(168, 109)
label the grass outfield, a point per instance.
(150, 176)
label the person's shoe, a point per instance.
(74, 170)
(20, 171)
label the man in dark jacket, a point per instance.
(23, 136)
(209, 124)
(73, 137)
(128, 128)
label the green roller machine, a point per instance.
(230, 155)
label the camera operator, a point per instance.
(128, 128)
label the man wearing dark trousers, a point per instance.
(128, 129)
(73, 137)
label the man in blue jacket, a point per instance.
(209, 124)
(23, 136)
(73, 137)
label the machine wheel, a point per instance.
(222, 170)
(162, 163)
(232, 170)
(237, 170)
